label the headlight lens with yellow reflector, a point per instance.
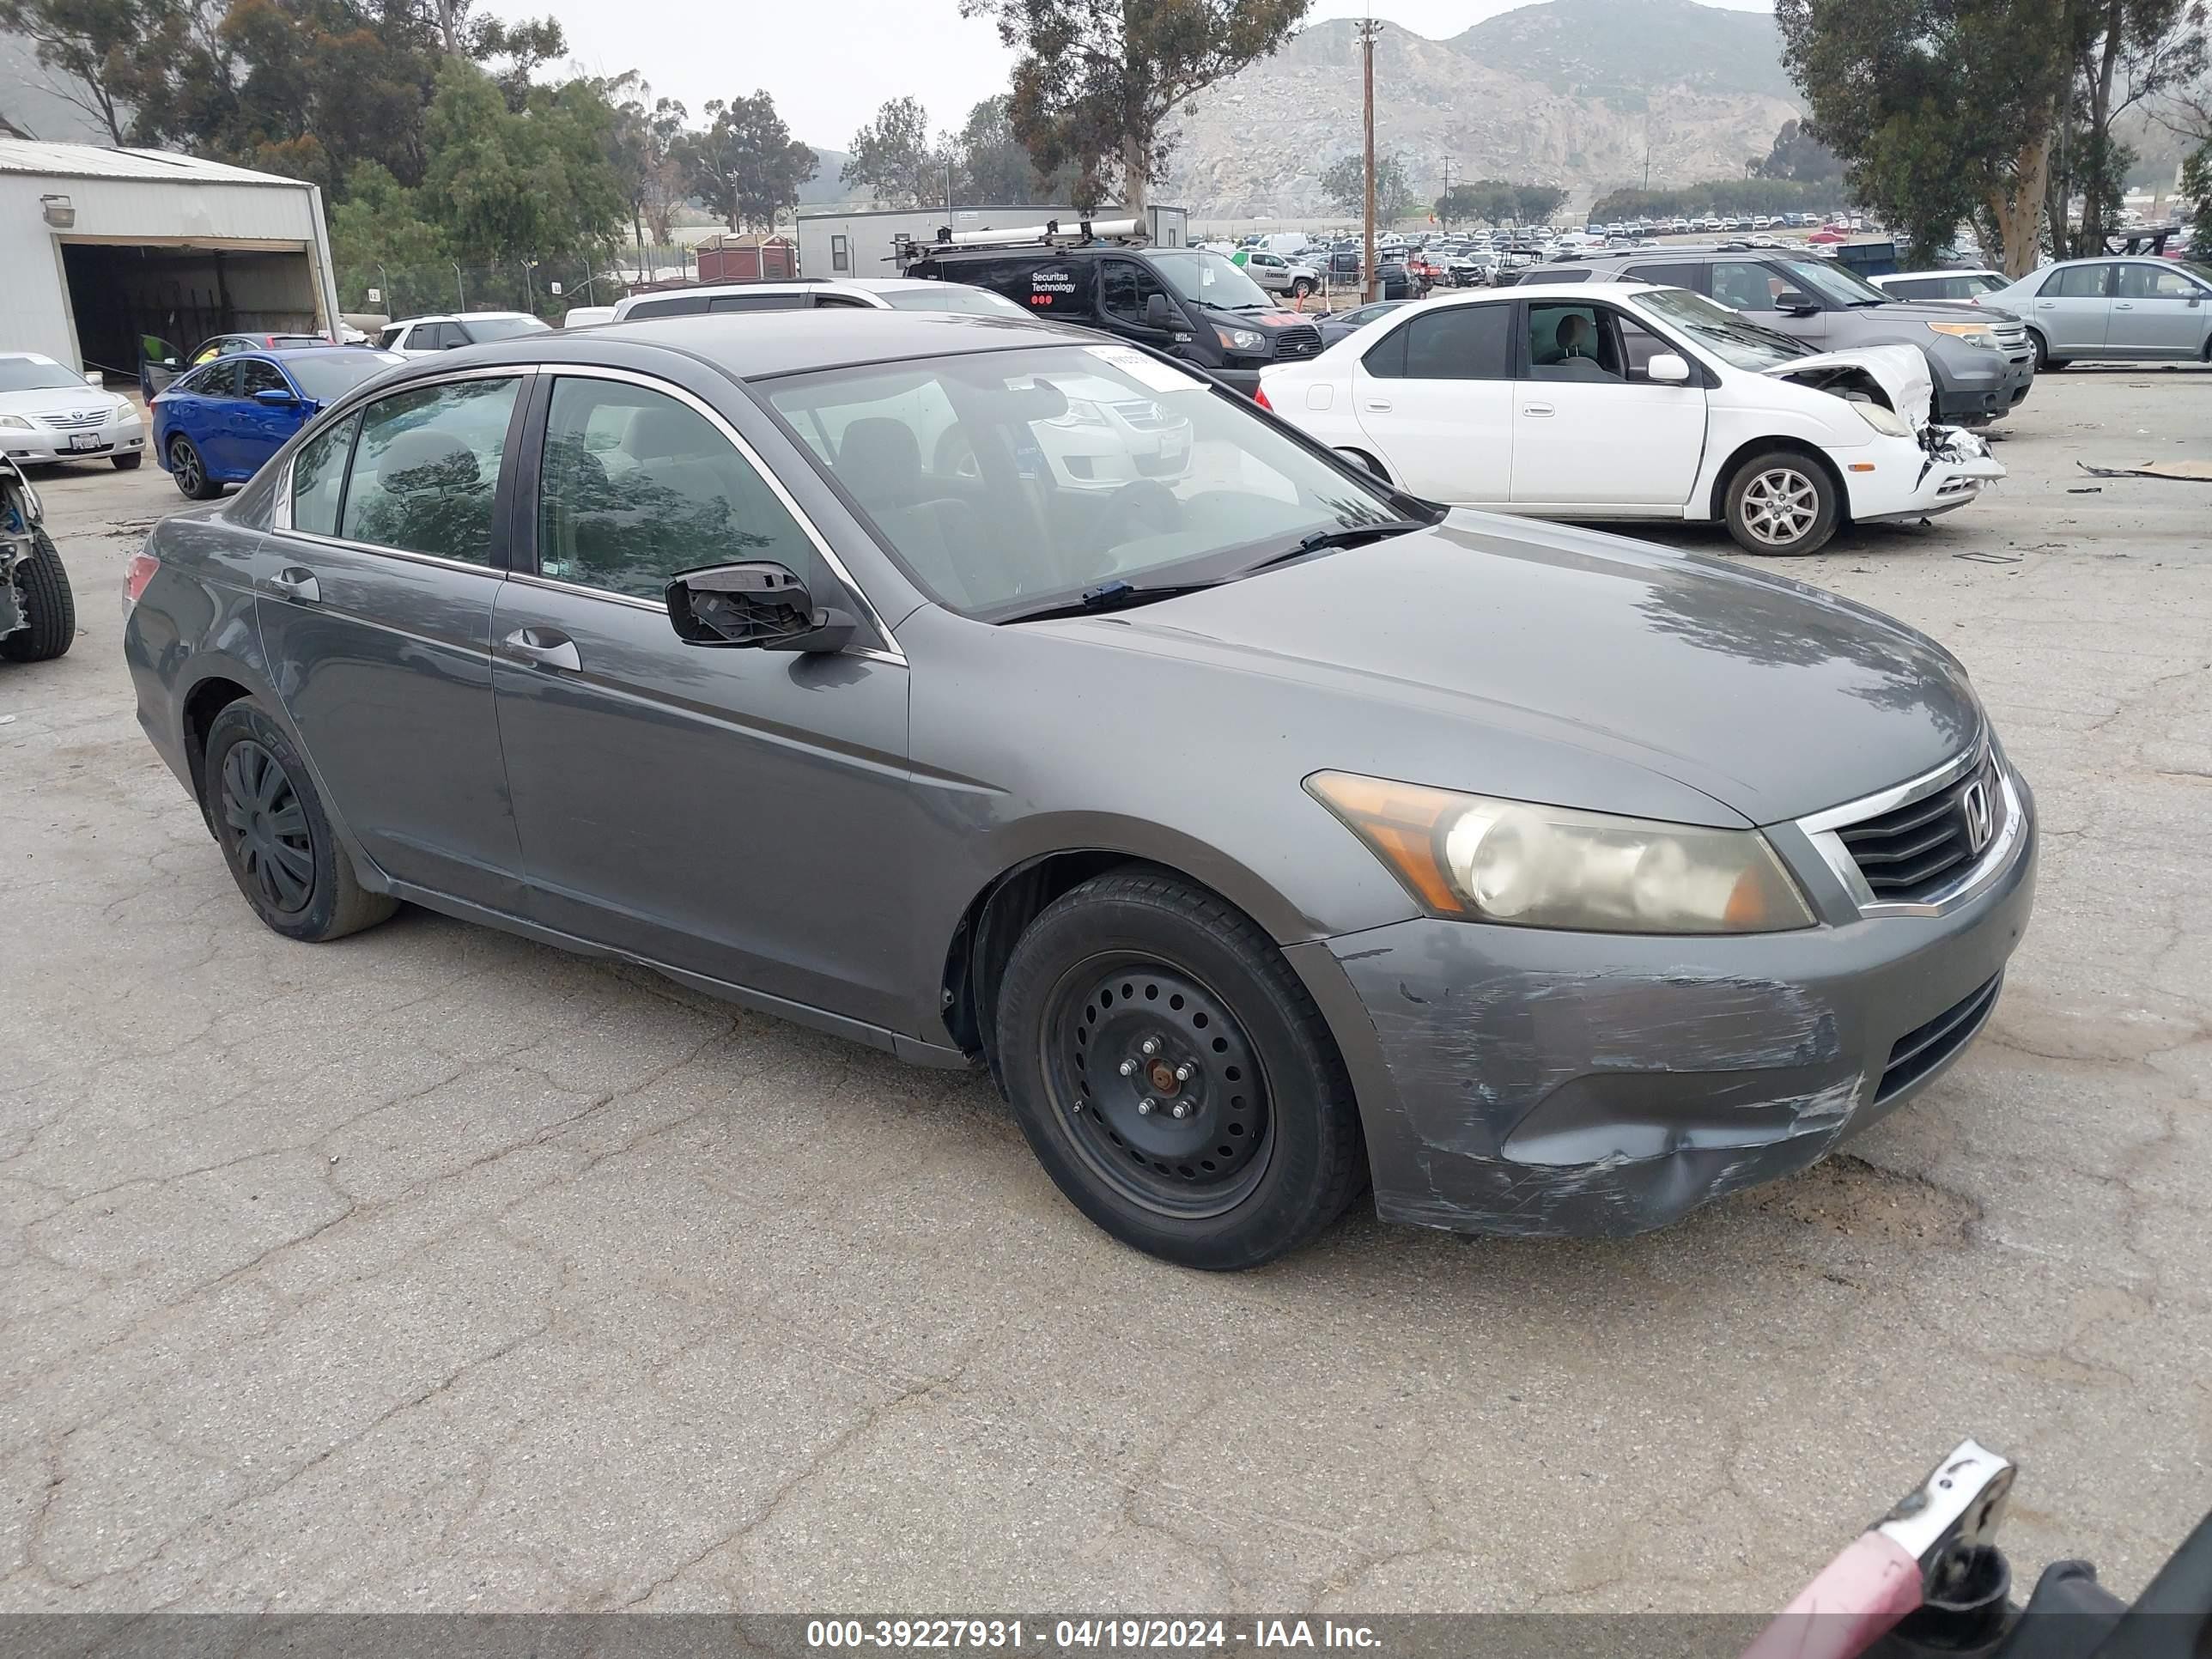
(1478, 859)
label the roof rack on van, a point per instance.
(1127, 232)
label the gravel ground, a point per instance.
(434, 1269)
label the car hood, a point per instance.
(1554, 662)
(1899, 372)
(45, 400)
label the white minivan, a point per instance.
(1623, 400)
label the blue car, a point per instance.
(215, 425)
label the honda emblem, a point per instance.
(1974, 807)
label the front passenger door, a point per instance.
(734, 813)
(1593, 430)
(2159, 310)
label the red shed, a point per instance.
(747, 258)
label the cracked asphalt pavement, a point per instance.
(434, 1269)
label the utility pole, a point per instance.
(1369, 28)
(1443, 207)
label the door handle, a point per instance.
(1540, 410)
(2123, 305)
(295, 583)
(2045, 304)
(548, 647)
(1378, 403)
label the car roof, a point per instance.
(800, 341)
(452, 317)
(283, 353)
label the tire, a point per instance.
(2045, 362)
(1271, 1153)
(1301, 288)
(128, 463)
(49, 607)
(1782, 502)
(191, 472)
(276, 836)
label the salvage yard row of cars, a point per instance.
(1540, 881)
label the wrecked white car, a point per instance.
(38, 612)
(1622, 400)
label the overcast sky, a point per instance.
(829, 63)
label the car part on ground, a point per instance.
(749, 584)
(38, 611)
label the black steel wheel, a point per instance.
(1137, 995)
(1167, 1098)
(191, 472)
(261, 803)
(265, 828)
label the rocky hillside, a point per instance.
(1583, 94)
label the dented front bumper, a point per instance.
(1512, 1080)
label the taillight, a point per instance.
(1260, 397)
(135, 574)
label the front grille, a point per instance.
(1913, 852)
(1302, 341)
(73, 419)
(1145, 416)
(2011, 334)
(1924, 1049)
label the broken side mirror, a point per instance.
(758, 603)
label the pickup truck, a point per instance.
(1277, 274)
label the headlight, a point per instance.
(1974, 334)
(1883, 419)
(1081, 411)
(16, 423)
(1477, 859)
(1241, 339)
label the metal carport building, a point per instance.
(100, 246)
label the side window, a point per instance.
(674, 304)
(1570, 343)
(841, 253)
(390, 337)
(451, 337)
(425, 470)
(258, 374)
(318, 472)
(218, 380)
(1744, 284)
(232, 347)
(758, 302)
(1638, 346)
(1128, 288)
(2148, 281)
(1461, 342)
(846, 301)
(2076, 282)
(637, 486)
(1386, 359)
(1676, 275)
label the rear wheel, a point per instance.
(274, 834)
(49, 607)
(1301, 288)
(128, 463)
(1781, 503)
(191, 472)
(1172, 1075)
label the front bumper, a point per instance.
(1981, 390)
(41, 446)
(1909, 482)
(1517, 1081)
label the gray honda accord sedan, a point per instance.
(996, 694)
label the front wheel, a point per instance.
(2045, 362)
(1781, 503)
(276, 836)
(49, 607)
(1301, 288)
(128, 463)
(191, 472)
(1173, 1076)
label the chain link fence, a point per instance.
(544, 287)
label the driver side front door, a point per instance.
(737, 814)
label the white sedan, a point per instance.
(1621, 400)
(50, 412)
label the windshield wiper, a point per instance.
(1343, 535)
(1116, 595)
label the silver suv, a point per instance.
(1980, 357)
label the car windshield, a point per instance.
(954, 296)
(1727, 334)
(327, 376)
(1207, 279)
(504, 328)
(1007, 482)
(2198, 269)
(1838, 285)
(36, 374)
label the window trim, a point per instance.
(535, 427)
(280, 510)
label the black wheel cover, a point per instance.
(185, 462)
(1099, 1018)
(265, 828)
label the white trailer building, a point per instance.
(843, 242)
(98, 247)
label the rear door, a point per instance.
(375, 602)
(1435, 398)
(740, 814)
(1592, 429)
(2073, 308)
(195, 405)
(2158, 310)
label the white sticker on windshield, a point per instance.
(1148, 372)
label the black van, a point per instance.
(1189, 302)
